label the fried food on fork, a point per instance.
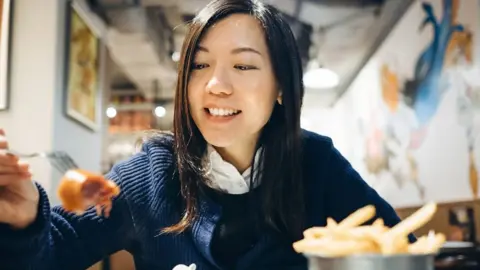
(80, 189)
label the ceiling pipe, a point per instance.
(107, 5)
(101, 7)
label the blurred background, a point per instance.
(395, 83)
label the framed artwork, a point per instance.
(82, 68)
(6, 7)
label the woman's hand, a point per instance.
(18, 194)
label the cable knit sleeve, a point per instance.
(61, 240)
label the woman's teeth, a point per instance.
(222, 112)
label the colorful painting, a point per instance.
(397, 128)
(82, 85)
(5, 32)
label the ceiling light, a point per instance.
(320, 78)
(111, 112)
(160, 111)
(175, 56)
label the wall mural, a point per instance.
(410, 99)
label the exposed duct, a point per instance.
(140, 41)
(160, 32)
(128, 20)
(113, 4)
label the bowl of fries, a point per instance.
(350, 244)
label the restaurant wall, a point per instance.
(35, 120)
(410, 122)
(28, 119)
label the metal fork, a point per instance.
(58, 159)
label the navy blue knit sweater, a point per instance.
(58, 240)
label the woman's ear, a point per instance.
(279, 98)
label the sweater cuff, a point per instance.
(15, 240)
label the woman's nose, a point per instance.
(219, 84)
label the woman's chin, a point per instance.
(219, 140)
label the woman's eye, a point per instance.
(199, 66)
(244, 67)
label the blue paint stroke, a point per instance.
(425, 90)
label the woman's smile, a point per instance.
(219, 115)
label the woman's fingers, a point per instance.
(8, 160)
(23, 166)
(11, 172)
(7, 179)
(3, 142)
(12, 177)
(5, 158)
(9, 169)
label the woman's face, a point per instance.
(232, 88)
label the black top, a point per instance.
(237, 230)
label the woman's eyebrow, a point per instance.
(202, 49)
(245, 49)
(234, 51)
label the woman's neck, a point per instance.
(239, 155)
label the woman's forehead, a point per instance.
(235, 30)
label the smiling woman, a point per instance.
(240, 91)
(232, 73)
(233, 187)
(232, 89)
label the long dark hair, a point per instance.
(281, 189)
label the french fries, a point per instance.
(350, 236)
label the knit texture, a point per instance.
(149, 201)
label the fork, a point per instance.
(58, 159)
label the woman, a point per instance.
(235, 185)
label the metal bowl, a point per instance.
(372, 262)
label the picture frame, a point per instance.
(82, 78)
(6, 22)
